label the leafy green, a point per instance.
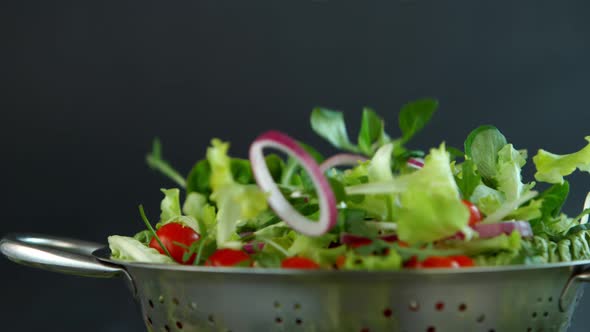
(468, 179)
(415, 115)
(148, 225)
(130, 249)
(482, 146)
(488, 200)
(156, 162)
(431, 207)
(508, 177)
(388, 261)
(531, 211)
(235, 201)
(330, 125)
(196, 206)
(144, 237)
(170, 205)
(552, 168)
(502, 242)
(372, 133)
(199, 178)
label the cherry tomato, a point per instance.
(413, 263)
(474, 214)
(299, 263)
(439, 262)
(463, 261)
(340, 261)
(228, 257)
(176, 232)
(361, 242)
(402, 244)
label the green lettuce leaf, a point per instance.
(431, 207)
(129, 249)
(503, 242)
(508, 177)
(390, 261)
(552, 168)
(196, 206)
(171, 212)
(235, 202)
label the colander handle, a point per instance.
(57, 254)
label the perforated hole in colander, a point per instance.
(179, 325)
(387, 313)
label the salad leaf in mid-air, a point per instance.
(415, 115)
(482, 146)
(552, 168)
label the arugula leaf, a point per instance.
(275, 165)
(372, 134)
(330, 125)
(156, 162)
(415, 115)
(482, 146)
(552, 168)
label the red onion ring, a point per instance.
(507, 227)
(326, 198)
(342, 159)
(415, 163)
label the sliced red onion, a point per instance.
(506, 227)
(416, 163)
(253, 247)
(357, 240)
(342, 159)
(276, 200)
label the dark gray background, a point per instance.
(84, 87)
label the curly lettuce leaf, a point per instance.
(551, 168)
(235, 201)
(431, 208)
(508, 176)
(499, 243)
(171, 211)
(129, 249)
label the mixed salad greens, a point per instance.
(379, 205)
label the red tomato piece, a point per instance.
(463, 261)
(439, 262)
(413, 263)
(474, 214)
(299, 263)
(173, 233)
(228, 257)
(340, 261)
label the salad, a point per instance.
(377, 205)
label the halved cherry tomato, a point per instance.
(412, 263)
(299, 263)
(179, 233)
(439, 261)
(463, 261)
(340, 261)
(228, 257)
(474, 214)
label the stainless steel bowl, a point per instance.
(191, 298)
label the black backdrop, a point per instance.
(84, 87)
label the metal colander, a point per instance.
(190, 298)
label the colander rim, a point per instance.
(103, 255)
